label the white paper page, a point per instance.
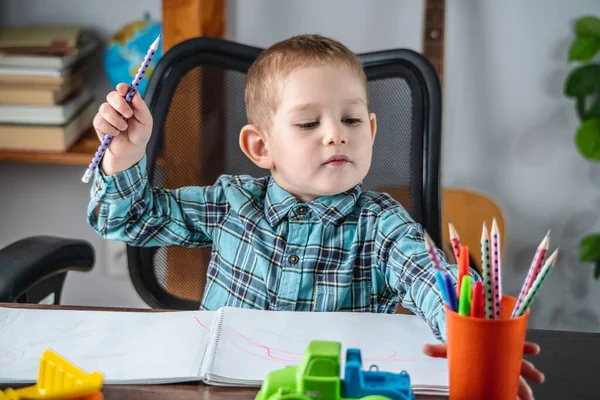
(252, 343)
(126, 347)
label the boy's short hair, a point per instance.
(275, 63)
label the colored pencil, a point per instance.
(486, 272)
(432, 252)
(496, 264)
(454, 240)
(536, 266)
(537, 284)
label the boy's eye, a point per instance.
(352, 121)
(308, 125)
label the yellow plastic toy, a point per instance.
(59, 379)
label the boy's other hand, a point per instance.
(130, 134)
(528, 371)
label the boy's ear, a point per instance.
(253, 144)
(373, 121)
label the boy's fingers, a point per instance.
(118, 103)
(107, 112)
(435, 350)
(525, 392)
(140, 110)
(122, 88)
(529, 371)
(103, 127)
(531, 348)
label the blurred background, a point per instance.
(508, 128)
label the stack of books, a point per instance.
(45, 102)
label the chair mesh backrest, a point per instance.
(176, 276)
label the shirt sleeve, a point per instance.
(125, 207)
(410, 272)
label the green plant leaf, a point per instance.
(597, 270)
(582, 81)
(588, 25)
(584, 48)
(589, 248)
(587, 140)
(594, 111)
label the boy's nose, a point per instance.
(335, 135)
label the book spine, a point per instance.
(212, 344)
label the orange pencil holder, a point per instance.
(484, 355)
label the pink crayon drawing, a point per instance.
(257, 349)
(202, 325)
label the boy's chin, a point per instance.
(330, 189)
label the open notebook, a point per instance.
(231, 346)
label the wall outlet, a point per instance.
(116, 259)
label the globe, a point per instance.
(126, 51)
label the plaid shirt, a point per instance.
(354, 251)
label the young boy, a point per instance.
(307, 237)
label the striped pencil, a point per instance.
(537, 284)
(496, 267)
(536, 266)
(454, 240)
(486, 271)
(433, 255)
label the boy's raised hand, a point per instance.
(130, 134)
(528, 371)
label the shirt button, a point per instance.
(293, 259)
(302, 210)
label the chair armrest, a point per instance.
(28, 261)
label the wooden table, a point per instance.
(570, 361)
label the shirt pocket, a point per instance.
(343, 291)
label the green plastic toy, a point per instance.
(317, 376)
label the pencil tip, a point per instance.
(428, 241)
(452, 231)
(155, 44)
(545, 243)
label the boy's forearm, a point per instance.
(412, 274)
(125, 207)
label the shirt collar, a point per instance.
(329, 209)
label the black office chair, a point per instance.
(35, 268)
(197, 89)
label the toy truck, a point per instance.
(317, 376)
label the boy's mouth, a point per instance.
(337, 160)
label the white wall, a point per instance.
(508, 131)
